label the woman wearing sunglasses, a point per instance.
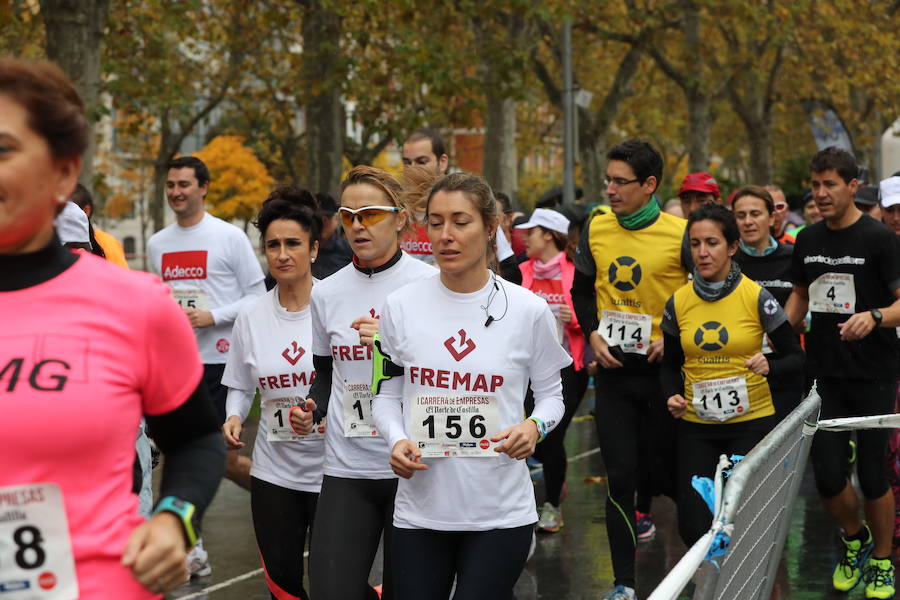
(357, 499)
(462, 348)
(767, 262)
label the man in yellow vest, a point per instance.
(628, 263)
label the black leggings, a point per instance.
(699, 447)
(281, 517)
(636, 438)
(352, 514)
(486, 564)
(853, 398)
(552, 451)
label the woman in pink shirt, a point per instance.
(86, 349)
(549, 273)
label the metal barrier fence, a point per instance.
(754, 513)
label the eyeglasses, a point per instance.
(781, 206)
(367, 215)
(618, 181)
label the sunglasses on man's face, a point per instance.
(367, 215)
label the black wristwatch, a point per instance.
(876, 314)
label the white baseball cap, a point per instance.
(890, 191)
(72, 225)
(548, 219)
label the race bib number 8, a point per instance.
(191, 298)
(833, 293)
(358, 411)
(720, 399)
(278, 421)
(444, 426)
(35, 549)
(629, 331)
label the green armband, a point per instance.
(541, 427)
(382, 366)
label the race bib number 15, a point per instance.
(35, 549)
(191, 298)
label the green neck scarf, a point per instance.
(641, 217)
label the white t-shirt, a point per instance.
(451, 358)
(210, 266)
(271, 351)
(336, 302)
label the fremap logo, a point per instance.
(711, 336)
(466, 345)
(624, 273)
(293, 353)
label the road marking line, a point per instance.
(254, 573)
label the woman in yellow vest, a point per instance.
(714, 375)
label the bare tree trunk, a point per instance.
(322, 75)
(74, 35)
(760, 138)
(699, 127)
(500, 161)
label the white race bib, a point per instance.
(278, 421)
(358, 411)
(455, 425)
(629, 331)
(36, 560)
(833, 293)
(191, 298)
(720, 399)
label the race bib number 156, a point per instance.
(35, 549)
(444, 426)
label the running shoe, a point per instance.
(645, 527)
(198, 561)
(879, 578)
(551, 519)
(848, 571)
(620, 592)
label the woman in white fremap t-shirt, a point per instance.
(271, 351)
(357, 500)
(467, 343)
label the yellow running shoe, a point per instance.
(879, 578)
(848, 571)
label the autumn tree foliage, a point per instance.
(239, 181)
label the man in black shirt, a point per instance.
(846, 272)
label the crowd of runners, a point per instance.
(411, 343)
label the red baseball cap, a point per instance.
(700, 182)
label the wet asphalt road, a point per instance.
(572, 564)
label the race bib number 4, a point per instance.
(720, 399)
(358, 411)
(191, 298)
(629, 331)
(444, 426)
(35, 550)
(278, 421)
(833, 293)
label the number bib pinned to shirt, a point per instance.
(358, 420)
(278, 421)
(833, 293)
(720, 399)
(629, 331)
(35, 548)
(445, 426)
(193, 298)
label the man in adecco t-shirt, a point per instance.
(212, 270)
(846, 272)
